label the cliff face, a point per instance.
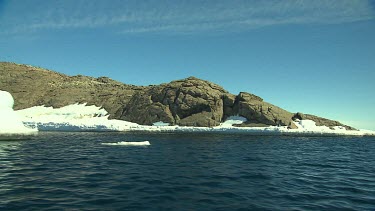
(191, 101)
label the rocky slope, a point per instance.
(190, 101)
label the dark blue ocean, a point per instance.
(74, 171)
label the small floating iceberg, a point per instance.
(128, 143)
(11, 126)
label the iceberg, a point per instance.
(11, 125)
(80, 117)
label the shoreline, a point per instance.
(255, 131)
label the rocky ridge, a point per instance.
(189, 102)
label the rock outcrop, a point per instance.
(260, 113)
(190, 102)
(320, 121)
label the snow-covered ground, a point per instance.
(11, 126)
(76, 117)
(80, 117)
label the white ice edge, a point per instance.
(80, 117)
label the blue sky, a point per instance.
(315, 57)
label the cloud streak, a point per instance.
(176, 16)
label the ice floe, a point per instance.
(128, 143)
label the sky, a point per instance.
(314, 57)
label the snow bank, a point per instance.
(126, 143)
(271, 130)
(76, 117)
(70, 112)
(11, 126)
(80, 117)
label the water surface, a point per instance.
(187, 172)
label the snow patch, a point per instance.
(160, 123)
(233, 120)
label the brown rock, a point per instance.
(259, 112)
(191, 102)
(321, 121)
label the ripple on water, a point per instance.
(62, 171)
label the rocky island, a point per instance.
(186, 102)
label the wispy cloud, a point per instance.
(175, 16)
